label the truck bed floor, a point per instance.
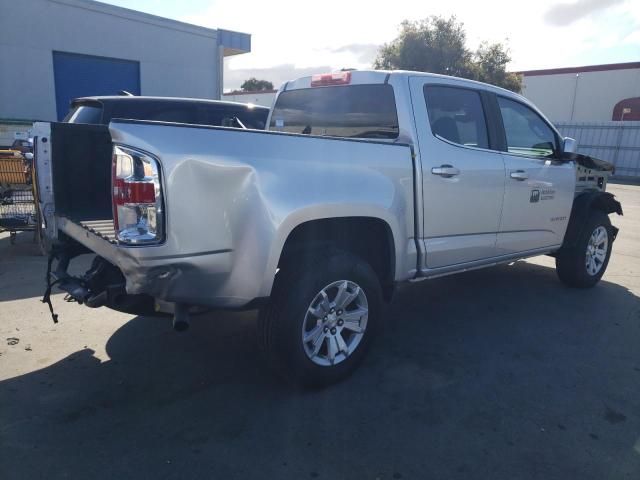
(102, 228)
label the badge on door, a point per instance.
(535, 196)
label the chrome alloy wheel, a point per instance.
(597, 250)
(335, 323)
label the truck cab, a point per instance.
(492, 175)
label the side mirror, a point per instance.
(28, 156)
(569, 147)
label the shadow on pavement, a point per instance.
(22, 263)
(19, 265)
(501, 373)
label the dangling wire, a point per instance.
(47, 293)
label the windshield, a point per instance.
(356, 111)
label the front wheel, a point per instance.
(322, 317)
(583, 265)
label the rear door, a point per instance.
(462, 177)
(539, 186)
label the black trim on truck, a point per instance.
(582, 206)
(497, 137)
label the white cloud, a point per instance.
(563, 14)
(633, 38)
(340, 33)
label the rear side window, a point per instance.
(84, 114)
(159, 111)
(214, 116)
(254, 117)
(355, 111)
(190, 112)
(456, 115)
(527, 133)
(220, 116)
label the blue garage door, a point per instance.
(84, 75)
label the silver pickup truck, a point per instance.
(364, 179)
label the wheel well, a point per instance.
(369, 238)
(606, 202)
(582, 207)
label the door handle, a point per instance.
(446, 171)
(519, 175)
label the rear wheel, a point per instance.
(583, 265)
(322, 317)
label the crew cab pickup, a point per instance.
(364, 179)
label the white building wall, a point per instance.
(176, 59)
(585, 96)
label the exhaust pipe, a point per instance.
(181, 317)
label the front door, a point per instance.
(539, 186)
(462, 178)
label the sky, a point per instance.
(294, 38)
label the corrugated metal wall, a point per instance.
(87, 75)
(615, 142)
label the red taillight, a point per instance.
(137, 197)
(326, 79)
(125, 192)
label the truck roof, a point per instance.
(382, 76)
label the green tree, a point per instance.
(490, 63)
(439, 45)
(255, 85)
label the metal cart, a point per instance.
(17, 205)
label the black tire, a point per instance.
(571, 262)
(281, 322)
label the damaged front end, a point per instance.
(591, 173)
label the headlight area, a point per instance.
(138, 210)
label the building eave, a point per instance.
(134, 15)
(584, 69)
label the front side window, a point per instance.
(527, 133)
(456, 115)
(354, 111)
